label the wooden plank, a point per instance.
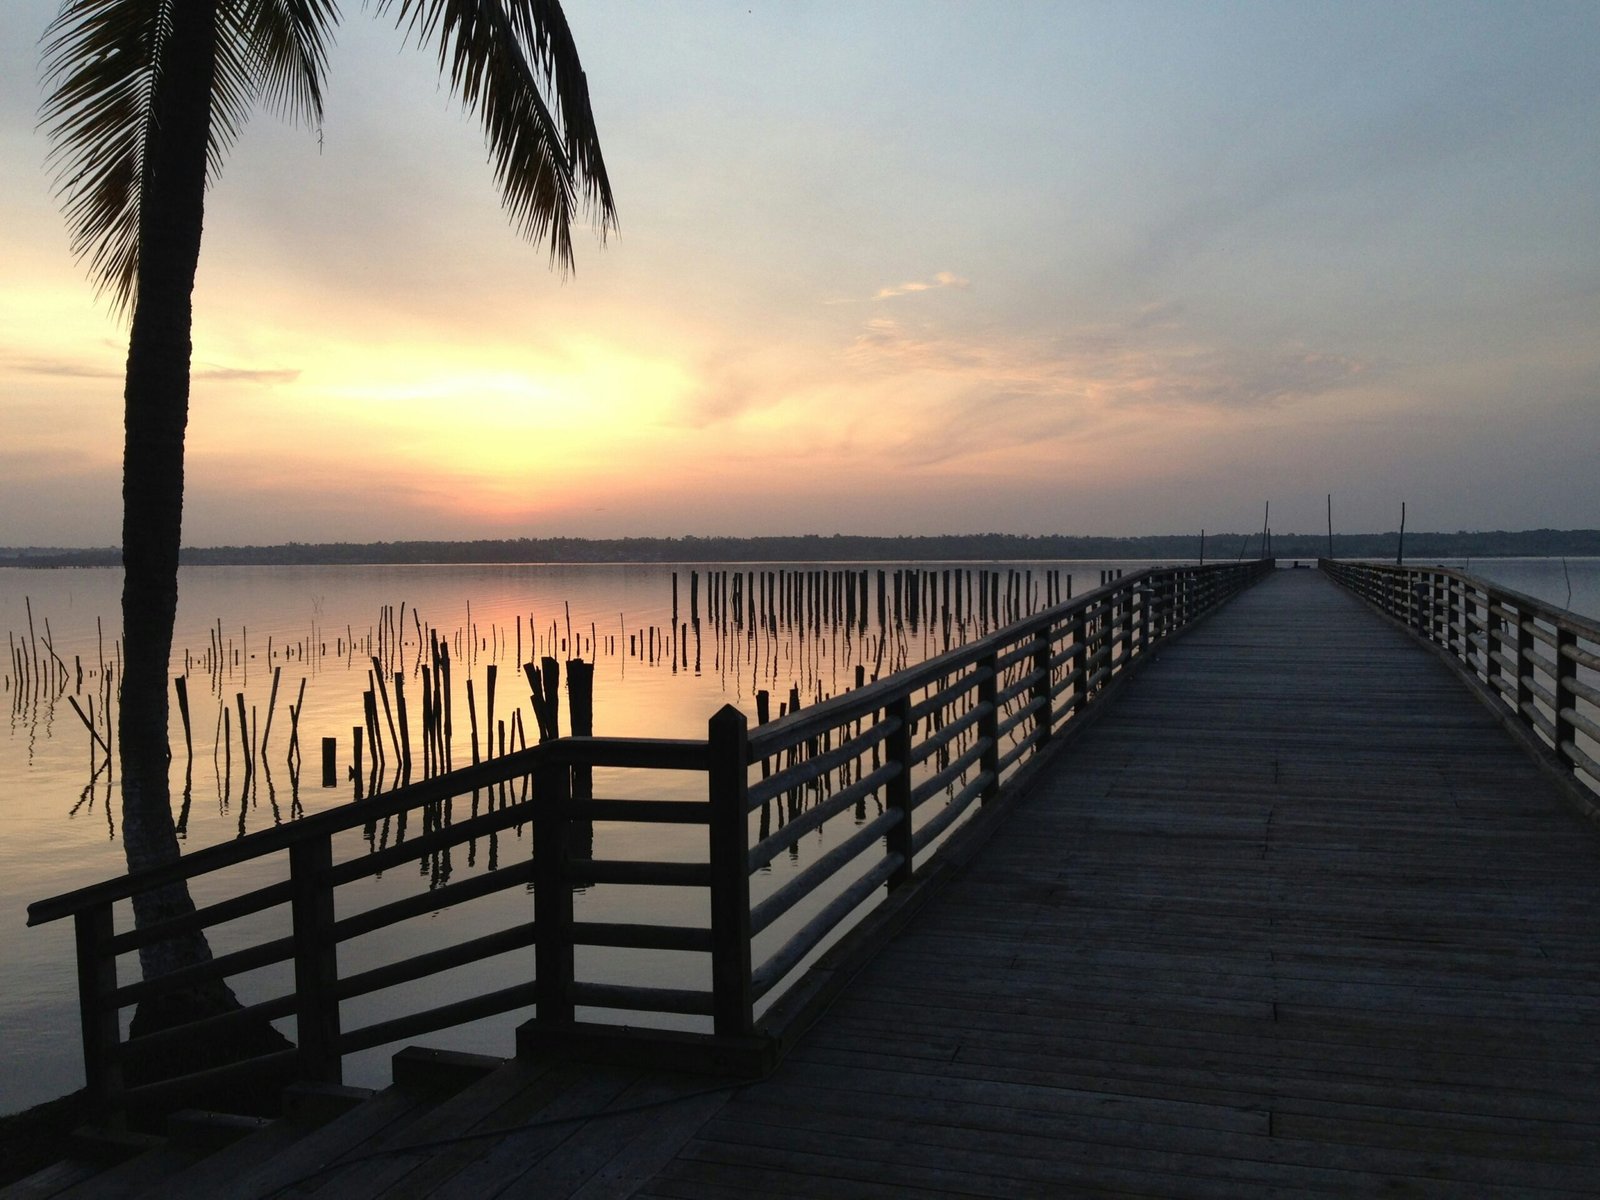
(1294, 917)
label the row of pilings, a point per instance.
(819, 598)
(800, 634)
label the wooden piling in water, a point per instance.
(294, 722)
(182, 687)
(405, 725)
(244, 735)
(488, 702)
(272, 700)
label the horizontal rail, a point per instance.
(629, 998)
(940, 737)
(420, 966)
(251, 958)
(231, 909)
(1531, 655)
(803, 884)
(820, 926)
(445, 1016)
(433, 900)
(946, 817)
(639, 871)
(642, 812)
(764, 851)
(819, 765)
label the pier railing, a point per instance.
(888, 769)
(1540, 663)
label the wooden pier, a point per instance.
(1295, 916)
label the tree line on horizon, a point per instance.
(1539, 543)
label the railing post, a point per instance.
(989, 724)
(1452, 600)
(1141, 596)
(1566, 698)
(102, 1032)
(729, 755)
(1043, 717)
(1524, 666)
(316, 959)
(1469, 626)
(1125, 623)
(1493, 644)
(897, 792)
(552, 897)
(1078, 664)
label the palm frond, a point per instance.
(501, 57)
(289, 40)
(268, 49)
(103, 62)
(101, 59)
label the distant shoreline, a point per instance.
(1534, 543)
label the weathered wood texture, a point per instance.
(1296, 918)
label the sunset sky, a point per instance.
(883, 268)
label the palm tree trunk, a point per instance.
(156, 413)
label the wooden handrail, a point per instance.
(1492, 633)
(956, 726)
(641, 753)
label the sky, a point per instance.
(882, 268)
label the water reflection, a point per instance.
(394, 685)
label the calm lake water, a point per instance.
(240, 628)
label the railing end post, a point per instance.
(316, 959)
(728, 751)
(93, 930)
(552, 896)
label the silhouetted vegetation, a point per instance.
(1003, 547)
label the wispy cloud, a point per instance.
(941, 279)
(63, 368)
(216, 374)
(1143, 363)
(58, 368)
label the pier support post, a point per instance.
(316, 962)
(729, 752)
(552, 897)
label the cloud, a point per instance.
(61, 368)
(245, 374)
(942, 279)
(1139, 364)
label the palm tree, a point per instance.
(145, 98)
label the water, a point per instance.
(1572, 583)
(238, 627)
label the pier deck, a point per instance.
(1295, 917)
